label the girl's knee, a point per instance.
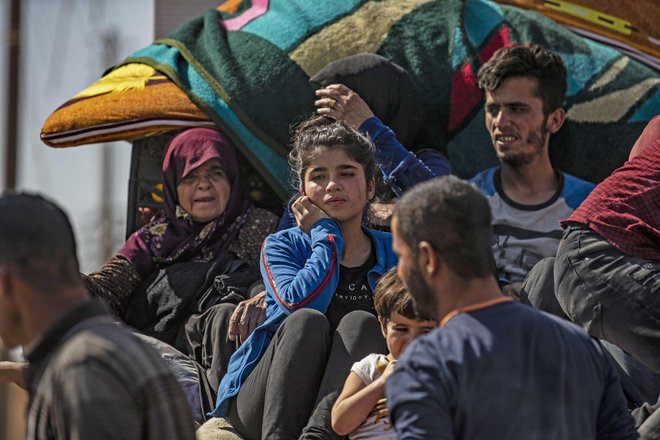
(308, 320)
(359, 320)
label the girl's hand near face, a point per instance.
(307, 213)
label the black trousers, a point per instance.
(357, 335)
(588, 289)
(614, 296)
(204, 339)
(304, 365)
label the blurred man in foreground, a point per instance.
(87, 376)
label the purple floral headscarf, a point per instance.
(174, 236)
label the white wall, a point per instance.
(62, 54)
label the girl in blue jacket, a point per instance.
(319, 279)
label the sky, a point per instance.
(61, 54)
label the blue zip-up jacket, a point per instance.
(299, 271)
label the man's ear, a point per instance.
(428, 261)
(555, 120)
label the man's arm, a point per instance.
(418, 405)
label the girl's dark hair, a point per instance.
(316, 134)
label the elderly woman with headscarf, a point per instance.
(178, 277)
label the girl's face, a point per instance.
(336, 183)
(204, 192)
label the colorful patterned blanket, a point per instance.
(247, 63)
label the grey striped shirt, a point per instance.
(89, 378)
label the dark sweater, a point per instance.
(507, 371)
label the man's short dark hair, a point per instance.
(532, 62)
(391, 296)
(454, 217)
(37, 241)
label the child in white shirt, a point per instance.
(360, 410)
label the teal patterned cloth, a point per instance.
(249, 72)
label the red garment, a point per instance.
(625, 207)
(647, 137)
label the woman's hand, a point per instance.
(342, 103)
(247, 316)
(306, 213)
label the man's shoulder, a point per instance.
(424, 359)
(485, 181)
(106, 376)
(442, 344)
(103, 345)
(553, 330)
(575, 190)
(514, 310)
(482, 324)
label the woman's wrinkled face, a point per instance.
(204, 192)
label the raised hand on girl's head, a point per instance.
(306, 213)
(342, 103)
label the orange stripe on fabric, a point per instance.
(473, 307)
